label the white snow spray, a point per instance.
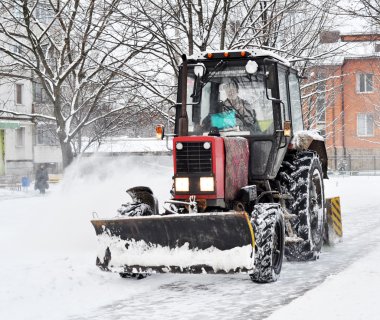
(96, 185)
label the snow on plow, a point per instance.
(188, 243)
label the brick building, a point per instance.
(342, 100)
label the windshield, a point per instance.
(231, 100)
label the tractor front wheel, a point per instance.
(268, 226)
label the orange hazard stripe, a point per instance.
(336, 214)
(337, 228)
(334, 211)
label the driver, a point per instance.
(245, 114)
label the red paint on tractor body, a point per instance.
(218, 166)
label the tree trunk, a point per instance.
(67, 154)
(66, 149)
(224, 24)
(190, 36)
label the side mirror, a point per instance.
(287, 128)
(160, 131)
(199, 70)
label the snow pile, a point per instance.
(129, 145)
(302, 139)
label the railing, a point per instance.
(355, 164)
(10, 182)
(15, 182)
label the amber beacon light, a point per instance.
(160, 129)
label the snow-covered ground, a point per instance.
(48, 249)
(351, 294)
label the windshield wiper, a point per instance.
(219, 66)
(197, 89)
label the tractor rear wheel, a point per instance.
(301, 177)
(268, 226)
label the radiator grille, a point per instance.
(193, 158)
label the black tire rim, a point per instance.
(316, 207)
(278, 247)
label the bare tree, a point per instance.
(288, 27)
(101, 62)
(78, 51)
(367, 11)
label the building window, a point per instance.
(364, 82)
(43, 13)
(19, 89)
(46, 135)
(39, 93)
(321, 102)
(20, 137)
(365, 125)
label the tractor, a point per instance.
(248, 179)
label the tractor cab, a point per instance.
(252, 94)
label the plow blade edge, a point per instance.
(187, 243)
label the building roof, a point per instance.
(351, 46)
(351, 38)
(130, 145)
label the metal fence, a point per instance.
(355, 164)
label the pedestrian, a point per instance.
(42, 178)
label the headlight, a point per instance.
(207, 183)
(182, 184)
(207, 145)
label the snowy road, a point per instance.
(49, 246)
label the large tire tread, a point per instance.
(265, 218)
(295, 179)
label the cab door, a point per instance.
(284, 115)
(268, 150)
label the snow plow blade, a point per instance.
(179, 243)
(334, 221)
